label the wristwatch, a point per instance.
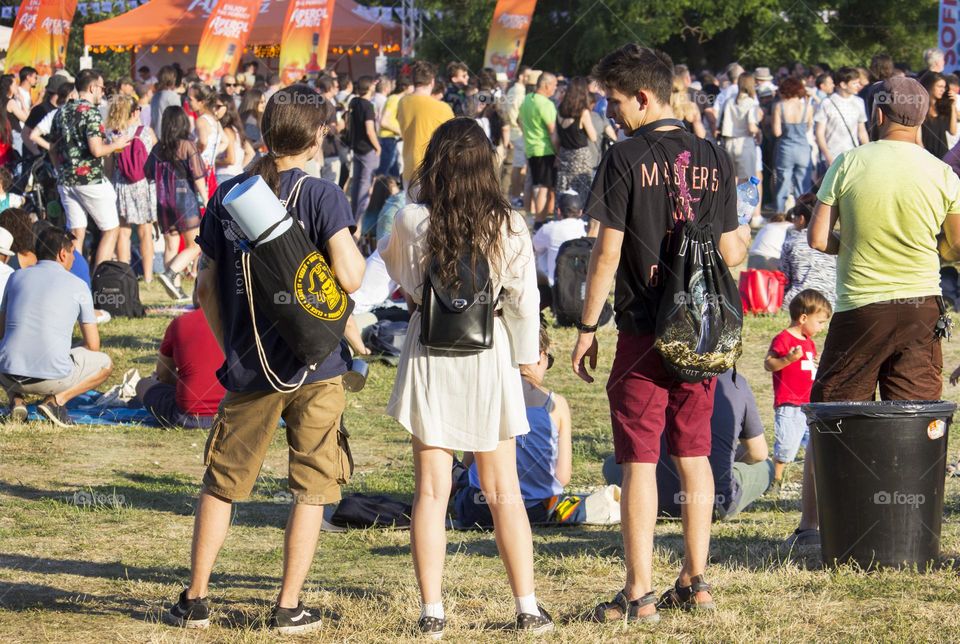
(586, 328)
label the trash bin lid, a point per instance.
(879, 409)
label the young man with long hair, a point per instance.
(294, 124)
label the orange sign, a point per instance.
(224, 37)
(39, 37)
(306, 35)
(508, 33)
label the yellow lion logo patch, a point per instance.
(317, 290)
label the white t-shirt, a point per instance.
(769, 240)
(552, 235)
(842, 118)
(26, 100)
(46, 124)
(376, 287)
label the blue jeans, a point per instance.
(364, 166)
(790, 432)
(794, 169)
(389, 159)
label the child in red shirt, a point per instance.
(793, 360)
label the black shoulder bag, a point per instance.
(458, 319)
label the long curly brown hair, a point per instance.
(458, 182)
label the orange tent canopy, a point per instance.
(181, 22)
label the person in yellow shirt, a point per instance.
(419, 116)
(390, 129)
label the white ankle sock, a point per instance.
(432, 610)
(527, 604)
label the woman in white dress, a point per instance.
(740, 127)
(466, 401)
(210, 137)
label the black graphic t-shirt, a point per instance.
(361, 111)
(323, 211)
(629, 194)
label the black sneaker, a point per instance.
(431, 627)
(292, 621)
(189, 613)
(535, 624)
(168, 280)
(18, 413)
(56, 414)
(182, 297)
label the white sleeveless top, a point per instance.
(209, 153)
(237, 166)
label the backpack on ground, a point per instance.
(761, 291)
(375, 511)
(385, 339)
(132, 158)
(116, 291)
(700, 319)
(570, 282)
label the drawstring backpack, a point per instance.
(298, 292)
(700, 318)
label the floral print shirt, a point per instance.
(76, 122)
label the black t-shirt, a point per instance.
(361, 111)
(37, 113)
(629, 194)
(323, 211)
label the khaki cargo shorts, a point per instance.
(320, 460)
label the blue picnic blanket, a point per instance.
(83, 413)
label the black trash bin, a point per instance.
(880, 469)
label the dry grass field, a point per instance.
(102, 572)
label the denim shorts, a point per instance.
(790, 432)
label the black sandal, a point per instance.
(619, 609)
(684, 597)
(431, 627)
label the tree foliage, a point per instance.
(571, 35)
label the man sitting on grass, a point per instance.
(37, 314)
(184, 391)
(739, 456)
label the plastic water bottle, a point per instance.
(748, 196)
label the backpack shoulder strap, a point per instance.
(294, 196)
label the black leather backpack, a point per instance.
(458, 319)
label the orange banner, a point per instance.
(508, 33)
(306, 35)
(224, 37)
(40, 34)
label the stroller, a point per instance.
(37, 184)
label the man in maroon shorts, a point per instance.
(629, 199)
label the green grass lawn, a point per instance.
(103, 572)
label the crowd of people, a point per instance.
(474, 165)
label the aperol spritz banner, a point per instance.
(306, 35)
(40, 34)
(224, 37)
(508, 33)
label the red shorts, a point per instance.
(645, 400)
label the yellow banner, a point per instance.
(306, 37)
(40, 34)
(508, 33)
(224, 37)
